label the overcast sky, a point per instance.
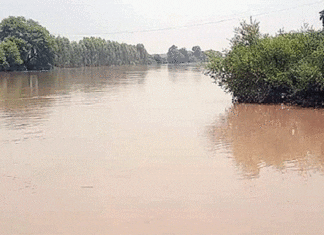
(159, 24)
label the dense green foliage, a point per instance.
(9, 55)
(176, 55)
(246, 34)
(288, 67)
(33, 42)
(97, 52)
(26, 45)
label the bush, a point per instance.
(284, 68)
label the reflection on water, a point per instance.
(24, 102)
(177, 72)
(287, 138)
(26, 98)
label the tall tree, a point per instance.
(246, 34)
(322, 17)
(36, 47)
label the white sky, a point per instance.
(103, 18)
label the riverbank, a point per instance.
(314, 99)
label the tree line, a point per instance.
(177, 56)
(92, 51)
(285, 68)
(26, 45)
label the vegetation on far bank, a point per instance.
(26, 45)
(285, 68)
(177, 56)
(92, 51)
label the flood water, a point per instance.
(153, 150)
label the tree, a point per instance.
(145, 58)
(63, 51)
(92, 51)
(185, 53)
(198, 53)
(322, 18)
(36, 43)
(211, 54)
(246, 34)
(174, 55)
(159, 59)
(10, 56)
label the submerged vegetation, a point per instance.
(285, 68)
(26, 45)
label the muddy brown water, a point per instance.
(153, 150)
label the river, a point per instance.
(153, 150)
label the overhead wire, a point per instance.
(198, 24)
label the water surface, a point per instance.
(153, 150)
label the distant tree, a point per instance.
(197, 52)
(158, 59)
(63, 51)
(322, 18)
(174, 55)
(36, 43)
(76, 55)
(142, 52)
(182, 55)
(92, 51)
(185, 53)
(192, 58)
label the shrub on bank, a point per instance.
(287, 68)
